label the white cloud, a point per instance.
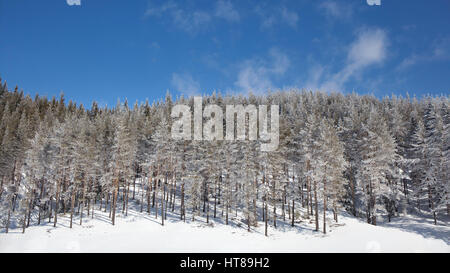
(190, 21)
(368, 49)
(270, 16)
(290, 17)
(73, 2)
(439, 51)
(158, 11)
(373, 2)
(193, 20)
(225, 10)
(338, 10)
(256, 75)
(185, 84)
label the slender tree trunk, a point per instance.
(134, 187)
(308, 182)
(274, 205)
(174, 191)
(114, 201)
(266, 220)
(155, 193)
(9, 216)
(162, 202)
(316, 205)
(105, 197)
(40, 202)
(83, 200)
(215, 198)
(324, 206)
(128, 192)
(93, 207)
(207, 203)
(293, 212)
(24, 220)
(72, 205)
(352, 187)
(182, 216)
(56, 203)
(150, 190)
(154, 188)
(166, 194)
(30, 206)
(429, 197)
(283, 212)
(1, 186)
(226, 214)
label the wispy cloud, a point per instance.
(289, 17)
(73, 2)
(438, 51)
(225, 10)
(272, 16)
(336, 10)
(368, 49)
(193, 21)
(256, 75)
(185, 84)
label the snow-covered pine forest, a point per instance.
(375, 159)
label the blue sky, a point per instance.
(108, 49)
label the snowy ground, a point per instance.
(140, 232)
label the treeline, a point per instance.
(371, 157)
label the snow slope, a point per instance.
(140, 232)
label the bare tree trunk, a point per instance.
(108, 201)
(316, 205)
(40, 203)
(266, 220)
(182, 211)
(1, 186)
(114, 202)
(30, 206)
(309, 193)
(57, 202)
(324, 206)
(274, 205)
(352, 187)
(154, 188)
(9, 216)
(82, 202)
(126, 204)
(166, 194)
(155, 193)
(141, 203)
(150, 190)
(134, 187)
(226, 214)
(142, 197)
(24, 220)
(174, 191)
(293, 211)
(283, 212)
(93, 207)
(72, 205)
(429, 197)
(162, 203)
(207, 203)
(215, 198)
(49, 209)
